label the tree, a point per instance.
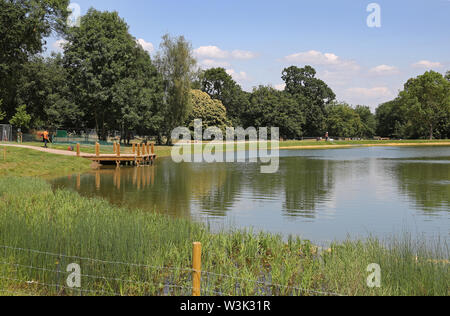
(313, 95)
(2, 114)
(24, 24)
(447, 75)
(109, 73)
(219, 85)
(367, 119)
(212, 112)
(272, 108)
(21, 119)
(344, 121)
(176, 64)
(428, 100)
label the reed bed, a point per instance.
(130, 252)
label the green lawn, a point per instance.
(31, 163)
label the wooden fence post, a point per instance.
(134, 148)
(138, 150)
(197, 269)
(153, 149)
(118, 149)
(78, 150)
(114, 147)
(97, 149)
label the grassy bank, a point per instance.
(32, 216)
(31, 163)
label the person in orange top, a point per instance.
(46, 139)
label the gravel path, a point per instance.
(47, 150)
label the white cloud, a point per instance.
(376, 92)
(243, 54)
(58, 45)
(214, 52)
(427, 64)
(145, 45)
(384, 70)
(211, 63)
(280, 86)
(238, 76)
(317, 58)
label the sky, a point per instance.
(364, 62)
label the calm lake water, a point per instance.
(321, 195)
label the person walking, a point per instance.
(46, 139)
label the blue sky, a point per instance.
(255, 40)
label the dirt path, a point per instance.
(46, 150)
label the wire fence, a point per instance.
(27, 272)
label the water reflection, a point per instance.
(324, 194)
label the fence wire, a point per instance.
(45, 273)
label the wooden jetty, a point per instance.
(143, 154)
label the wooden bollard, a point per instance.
(138, 150)
(118, 150)
(153, 149)
(144, 149)
(78, 150)
(97, 149)
(134, 148)
(114, 147)
(148, 149)
(197, 269)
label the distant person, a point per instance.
(327, 136)
(45, 137)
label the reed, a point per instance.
(33, 216)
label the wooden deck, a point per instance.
(142, 155)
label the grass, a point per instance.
(30, 163)
(33, 216)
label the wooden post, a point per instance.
(153, 149)
(144, 150)
(148, 149)
(78, 150)
(138, 150)
(118, 150)
(197, 267)
(134, 149)
(97, 149)
(114, 147)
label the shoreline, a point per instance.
(338, 146)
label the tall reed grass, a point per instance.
(130, 252)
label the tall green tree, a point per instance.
(212, 112)
(312, 94)
(344, 121)
(447, 75)
(176, 64)
(272, 108)
(428, 101)
(24, 25)
(367, 119)
(111, 76)
(221, 86)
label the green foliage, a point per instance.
(312, 96)
(2, 114)
(113, 79)
(428, 101)
(272, 108)
(211, 112)
(367, 119)
(44, 87)
(21, 119)
(344, 121)
(221, 86)
(24, 25)
(176, 64)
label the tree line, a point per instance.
(104, 80)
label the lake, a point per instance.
(321, 195)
